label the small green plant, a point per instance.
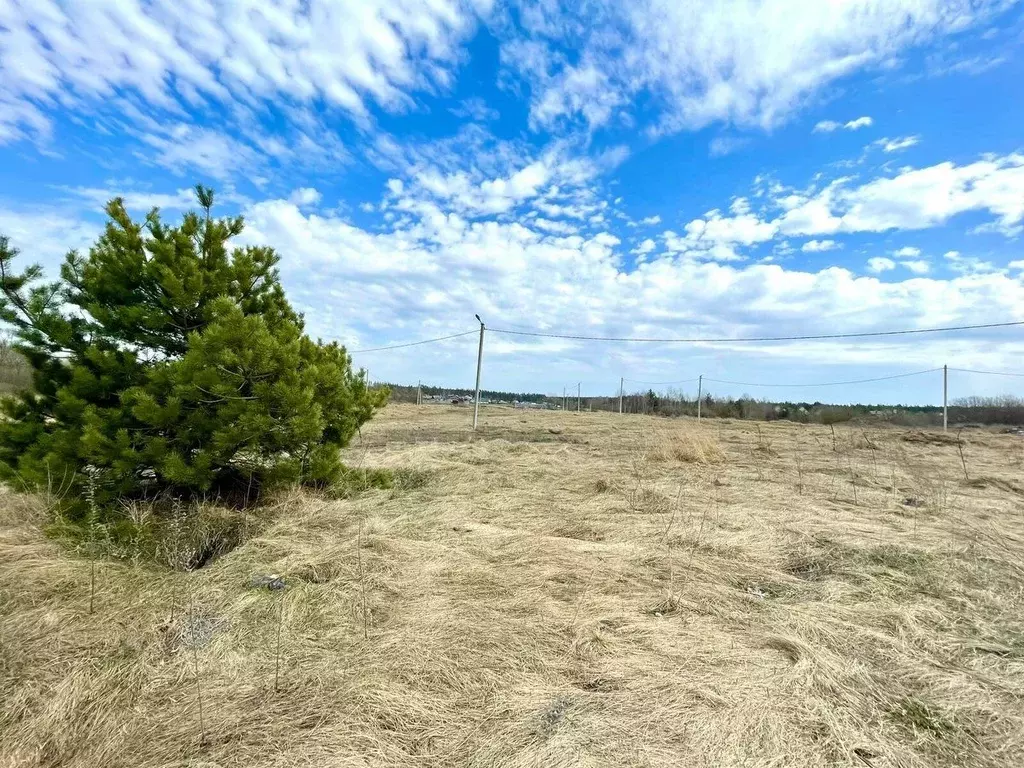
(920, 716)
(353, 481)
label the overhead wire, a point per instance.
(713, 340)
(659, 383)
(987, 373)
(727, 340)
(827, 383)
(412, 343)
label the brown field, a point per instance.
(557, 590)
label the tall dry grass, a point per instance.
(688, 445)
(521, 612)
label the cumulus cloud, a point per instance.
(968, 265)
(305, 196)
(907, 252)
(816, 246)
(644, 247)
(427, 276)
(917, 266)
(879, 264)
(913, 199)
(429, 271)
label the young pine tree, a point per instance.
(162, 361)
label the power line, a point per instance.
(412, 343)
(859, 335)
(659, 383)
(827, 383)
(987, 373)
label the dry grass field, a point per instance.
(557, 590)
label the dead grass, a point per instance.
(623, 595)
(690, 446)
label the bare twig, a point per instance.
(277, 657)
(675, 510)
(853, 478)
(963, 460)
(362, 579)
(194, 642)
(581, 595)
(90, 492)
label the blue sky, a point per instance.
(659, 168)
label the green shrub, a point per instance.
(162, 362)
(353, 481)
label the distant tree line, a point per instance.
(407, 394)
(1006, 409)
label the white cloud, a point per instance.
(828, 126)
(917, 266)
(739, 206)
(183, 147)
(879, 264)
(721, 146)
(305, 196)
(914, 199)
(888, 145)
(968, 265)
(477, 174)
(188, 53)
(45, 235)
(136, 200)
(816, 246)
(1019, 264)
(733, 61)
(475, 109)
(650, 221)
(555, 227)
(858, 123)
(644, 247)
(428, 276)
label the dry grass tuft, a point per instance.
(633, 593)
(690, 446)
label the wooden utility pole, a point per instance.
(578, 386)
(479, 362)
(945, 398)
(700, 390)
(622, 385)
